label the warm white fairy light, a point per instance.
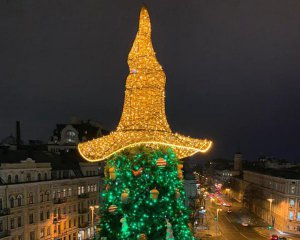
(143, 121)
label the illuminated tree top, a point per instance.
(143, 120)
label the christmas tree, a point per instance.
(143, 193)
(144, 197)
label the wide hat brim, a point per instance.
(102, 148)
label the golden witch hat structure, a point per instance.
(143, 121)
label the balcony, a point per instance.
(83, 195)
(59, 200)
(4, 211)
(83, 225)
(4, 234)
(83, 211)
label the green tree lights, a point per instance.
(143, 194)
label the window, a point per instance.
(30, 198)
(12, 202)
(48, 214)
(65, 225)
(39, 177)
(70, 209)
(19, 199)
(70, 225)
(82, 189)
(41, 197)
(88, 188)
(291, 215)
(58, 229)
(47, 195)
(31, 235)
(41, 216)
(1, 226)
(45, 176)
(293, 189)
(70, 136)
(30, 218)
(48, 231)
(292, 202)
(16, 179)
(9, 179)
(1, 204)
(42, 232)
(79, 191)
(70, 192)
(64, 192)
(74, 208)
(298, 228)
(12, 223)
(74, 222)
(19, 221)
(298, 216)
(28, 177)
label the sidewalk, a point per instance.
(264, 232)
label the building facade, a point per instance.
(46, 197)
(273, 198)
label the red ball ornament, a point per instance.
(161, 162)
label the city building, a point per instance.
(273, 195)
(47, 191)
(46, 196)
(67, 136)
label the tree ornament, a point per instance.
(179, 169)
(124, 197)
(142, 237)
(154, 194)
(177, 194)
(137, 173)
(112, 173)
(112, 208)
(161, 162)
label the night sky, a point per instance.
(232, 66)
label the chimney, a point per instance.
(18, 134)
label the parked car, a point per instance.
(274, 237)
(245, 224)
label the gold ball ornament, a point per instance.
(112, 173)
(177, 194)
(124, 197)
(154, 194)
(142, 237)
(112, 208)
(161, 162)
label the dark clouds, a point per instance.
(232, 67)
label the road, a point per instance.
(229, 224)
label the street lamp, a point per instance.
(217, 220)
(93, 210)
(271, 201)
(228, 192)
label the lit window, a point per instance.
(298, 216)
(293, 189)
(70, 136)
(291, 215)
(292, 202)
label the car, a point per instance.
(229, 211)
(274, 237)
(245, 224)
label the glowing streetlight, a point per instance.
(271, 201)
(93, 210)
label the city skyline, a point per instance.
(231, 69)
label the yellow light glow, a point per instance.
(143, 121)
